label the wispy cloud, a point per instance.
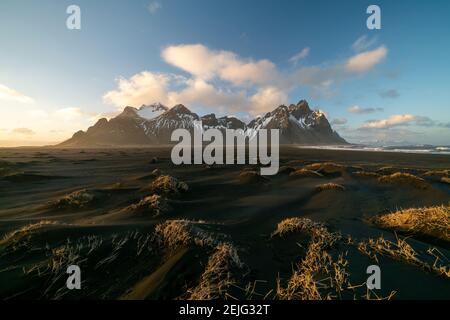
(154, 6)
(358, 109)
(24, 131)
(299, 56)
(10, 94)
(389, 94)
(323, 79)
(339, 121)
(363, 43)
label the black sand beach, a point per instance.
(98, 208)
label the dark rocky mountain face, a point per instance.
(298, 124)
(210, 121)
(153, 125)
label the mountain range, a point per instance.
(153, 125)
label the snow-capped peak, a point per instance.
(152, 110)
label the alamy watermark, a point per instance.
(74, 279)
(235, 140)
(73, 21)
(374, 20)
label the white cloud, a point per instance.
(154, 6)
(358, 109)
(207, 64)
(364, 61)
(10, 94)
(198, 91)
(300, 56)
(142, 88)
(404, 120)
(363, 43)
(221, 79)
(267, 99)
(392, 121)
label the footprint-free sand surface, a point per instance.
(140, 227)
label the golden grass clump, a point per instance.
(366, 174)
(76, 199)
(445, 180)
(318, 276)
(305, 173)
(251, 176)
(291, 225)
(387, 170)
(21, 236)
(402, 251)
(174, 234)
(437, 173)
(219, 275)
(155, 205)
(330, 186)
(166, 184)
(429, 221)
(404, 179)
(325, 167)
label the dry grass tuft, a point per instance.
(325, 167)
(402, 251)
(445, 180)
(318, 276)
(174, 234)
(330, 186)
(437, 173)
(251, 176)
(387, 170)
(305, 173)
(404, 179)
(75, 200)
(429, 221)
(20, 237)
(366, 174)
(155, 205)
(219, 274)
(291, 225)
(168, 185)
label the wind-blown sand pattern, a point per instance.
(140, 227)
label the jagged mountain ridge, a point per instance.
(153, 125)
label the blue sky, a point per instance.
(228, 57)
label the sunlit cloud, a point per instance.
(364, 61)
(225, 81)
(361, 110)
(202, 62)
(7, 93)
(24, 131)
(402, 120)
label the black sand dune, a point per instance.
(142, 228)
